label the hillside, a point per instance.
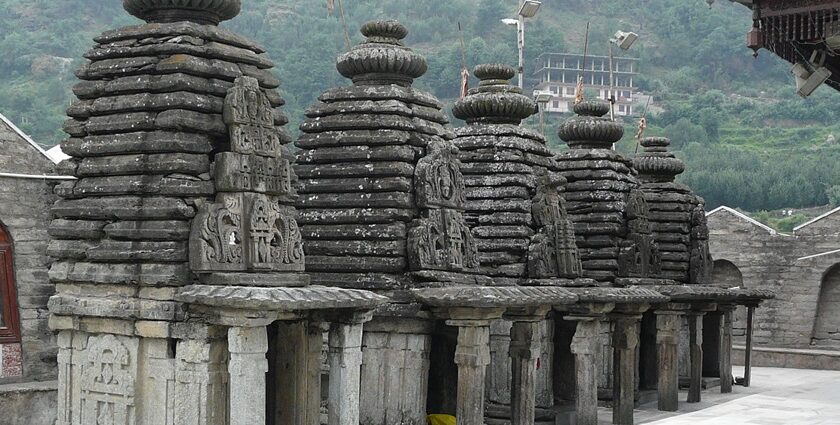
(749, 141)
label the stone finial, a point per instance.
(495, 101)
(590, 129)
(207, 12)
(657, 163)
(382, 59)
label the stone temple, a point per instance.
(389, 268)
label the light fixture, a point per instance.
(529, 8)
(542, 97)
(624, 39)
(510, 21)
(807, 80)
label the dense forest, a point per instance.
(748, 140)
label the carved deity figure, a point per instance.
(440, 239)
(700, 259)
(552, 251)
(639, 256)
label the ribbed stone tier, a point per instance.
(381, 189)
(483, 296)
(149, 112)
(504, 165)
(604, 199)
(677, 215)
(200, 11)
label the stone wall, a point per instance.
(25, 213)
(795, 266)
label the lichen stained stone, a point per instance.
(604, 200)
(677, 215)
(381, 189)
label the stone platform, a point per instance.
(789, 358)
(776, 397)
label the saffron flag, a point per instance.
(465, 82)
(642, 128)
(579, 90)
(331, 6)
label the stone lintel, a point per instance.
(629, 311)
(345, 316)
(254, 279)
(723, 307)
(280, 299)
(671, 308)
(63, 323)
(527, 314)
(582, 311)
(472, 316)
(700, 308)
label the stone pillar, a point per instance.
(524, 352)
(695, 341)
(345, 358)
(247, 367)
(625, 339)
(748, 349)
(726, 348)
(298, 373)
(584, 347)
(472, 356)
(200, 382)
(668, 322)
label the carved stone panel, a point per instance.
(107, 382)
(441, 240)
(552, 252)
(246, 232)
(700, 260)
(639, 255)
(438, 178)
(250, 119)
(235, 172)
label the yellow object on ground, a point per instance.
(441, 420)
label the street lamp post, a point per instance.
(527, 9)
(623, 40)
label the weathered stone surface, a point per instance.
(167, 230)
(137, 143)
(176, 185)
(147, 274)
(358, 200)
(376, 169)
(390, 231)
(357, 184)
(279, 299)
(124, 208)
(76, 229)
(354, 215)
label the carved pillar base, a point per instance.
(247, 367)
(472, 356)
(726, 349)
(695, 341)
(668, 322)
(524, 351)
(345, 358)
(625, 339)
(584, 347)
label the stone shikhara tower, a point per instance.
(178, 259)
(604, 199)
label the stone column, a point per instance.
(695, 341)
(298, 373)
(472, 355)
(345, 358)
(524, 351)
(726, 348)
(668, 323)
(247, 367)
(201, 380)
(584, 347)
(625, 339)
(748, 349)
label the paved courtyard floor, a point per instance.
(775, 397)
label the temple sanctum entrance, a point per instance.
(827, 323)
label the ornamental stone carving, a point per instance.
(251, 226)
(440, 239)
(107, 383)
(552, 252)
(639, 257)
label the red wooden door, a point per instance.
(9, 323)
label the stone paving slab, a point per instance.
(777, 397)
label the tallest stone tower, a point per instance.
(178, 260)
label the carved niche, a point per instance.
(639, 255)
(553, 251)
(107, 383)
(251, 226)
(700, 260)
(440, 239)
